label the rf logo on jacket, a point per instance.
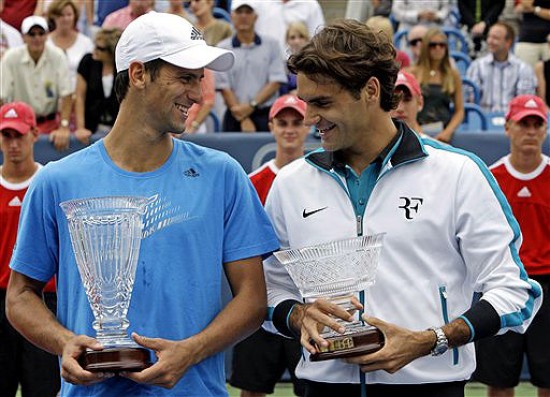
(411, 205)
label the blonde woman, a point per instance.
(441, 85)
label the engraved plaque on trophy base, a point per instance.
(355, 344)
(132, 359)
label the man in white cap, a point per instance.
(524, 177)
(23, 365)
(203, 219)
(38, 74)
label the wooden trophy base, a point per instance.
(355, 344)
(132, 359)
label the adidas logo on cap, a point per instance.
(11, 114)
(531, 104)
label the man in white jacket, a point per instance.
(449, 230)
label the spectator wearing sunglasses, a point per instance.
(441, 85)
(414, 42)
(38, 74)
(96, 106)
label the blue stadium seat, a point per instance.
(213, 123)
(475, 119)
(471, 91)
(398, 37)
(462, 61)
(220, 13)
(457, 40)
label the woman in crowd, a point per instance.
(297, 36)
(441, 85)
(63, 17)
(96, 106)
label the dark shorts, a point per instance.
(260, 360)
(24, 364)
(500, 358)
(446, 389)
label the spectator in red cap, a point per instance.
(260, 360)
(524, 177)
(23, 364)
(411, 101)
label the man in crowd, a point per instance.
(260, 360)
(38, 74)
(449, 231)
(204, 219)
(501, 75)
(251, 86)
(23, 364)
(524, 176)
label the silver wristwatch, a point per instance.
(441, 342)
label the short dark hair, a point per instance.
(510, 32)
(350, 53)
(122, 80)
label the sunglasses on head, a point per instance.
(415, 42)
(34, 34)
(434, 44)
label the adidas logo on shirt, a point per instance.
(524, 192)
(15, 202)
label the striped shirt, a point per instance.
(499, 82)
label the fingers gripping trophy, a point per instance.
(106, 237)
(336, 271)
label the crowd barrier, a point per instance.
(252, 150)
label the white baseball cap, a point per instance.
(170, 38)
(32, 21)
(239, 3)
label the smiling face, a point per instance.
(36, 40)
(170, 95)
(289, 130)
(526, 135)
(339, 117)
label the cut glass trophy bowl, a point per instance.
(106, 236)
(336, 271)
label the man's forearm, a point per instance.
(29, 315)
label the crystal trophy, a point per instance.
(336, 271)
(106, 237)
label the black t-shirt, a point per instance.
(99, 108)
(534, 29)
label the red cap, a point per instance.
(527, 105)
(409, 81)
(17, 116)
(290, 102)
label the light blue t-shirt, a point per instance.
(204, 212)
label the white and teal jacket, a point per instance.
(450, 235)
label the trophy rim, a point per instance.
(290, 256)
(139, 201)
